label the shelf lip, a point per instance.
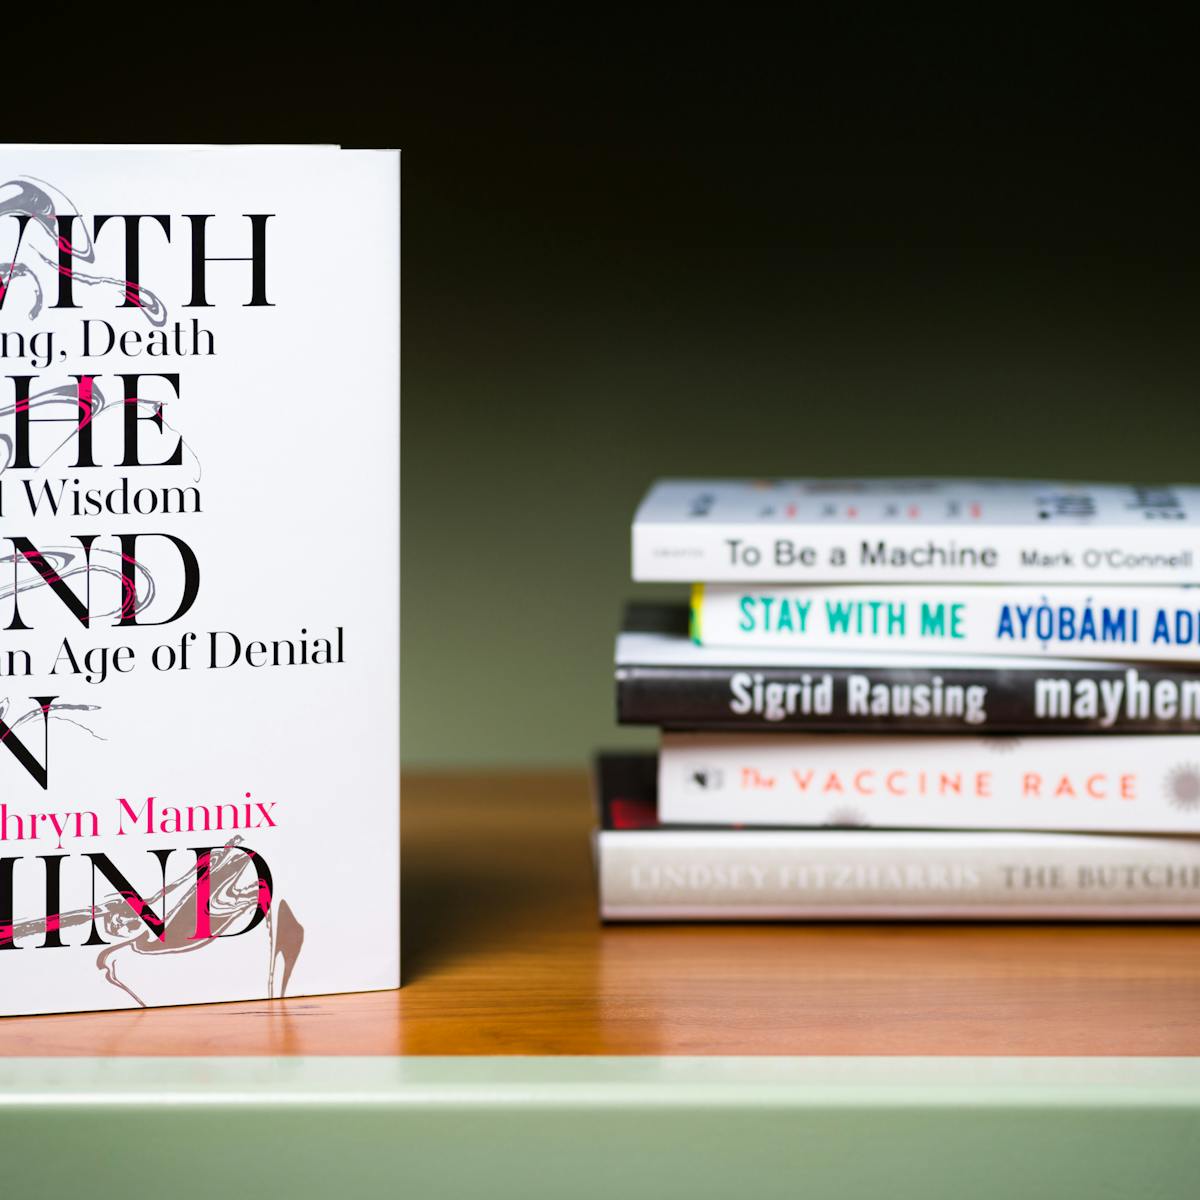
(534, 1128)
(596, 1083)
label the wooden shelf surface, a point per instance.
(503, 954)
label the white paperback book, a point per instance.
(1144, 623)
(1101, 783)
(890, 875)
(916, 531)
(199, 540)
(650, 872)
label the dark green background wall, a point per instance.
(895, 255)
(524, 459)
(657, 240)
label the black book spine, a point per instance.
(1133, 698)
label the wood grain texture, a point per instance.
(503, 955)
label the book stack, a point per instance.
(909, 699)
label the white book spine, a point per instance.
(1160, 624)
(680, 551)
(1148, 784)
(876, 875)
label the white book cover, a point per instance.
(199, 540)
(916, 531)
(1146, 623)
(1103, 783)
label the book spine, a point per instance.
(874, 875)
(1103, 699)
(1154, 624)
(667, 551)
(1134, 783)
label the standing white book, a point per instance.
(1104, 783)
(1146, 623)
(199, 429)
(916, 531)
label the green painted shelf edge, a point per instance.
(601, 1127)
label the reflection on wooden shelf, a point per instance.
(503, 954)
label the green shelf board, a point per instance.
(601, 1127)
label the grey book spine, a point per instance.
(691, 874)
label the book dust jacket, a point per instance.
(199, 435)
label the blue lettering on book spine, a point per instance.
(1046, 622)
(1178, 628)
